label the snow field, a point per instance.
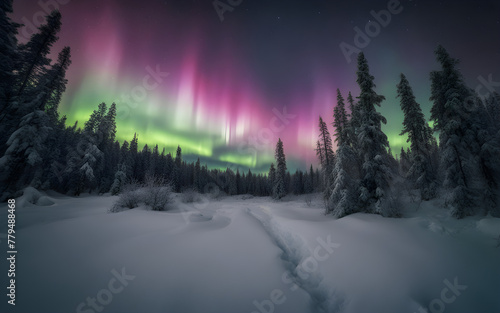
(253, 255)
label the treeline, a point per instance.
(362, 174)
(39, 150)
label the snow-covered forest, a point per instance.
(39, 150)
(369, 228)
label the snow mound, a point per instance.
(32, 196)
(490, 227)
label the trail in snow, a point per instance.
(300, 263)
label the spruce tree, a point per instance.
(177, 170)
(421, 173)
(319, 153)
(34, 54)
(197, 176)
(326, 145)
(9, 56)
(457, 124)
(341, 121)
(354, 121)
(373, 145)
(271, 179)
(327, 157)
(55, 84)
(280, 182)
(342, 200)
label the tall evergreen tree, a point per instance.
(326, 145)
(34, 54)
(280, 186)
(55, 84)
(341, 121)
(197, 176)
(421, 172)
(8, 54)
(325, 148)
(343, 196)
(177, 170)
(354, 121)
(373, 145)
(320, 153)
(271, 179)
(457, 123)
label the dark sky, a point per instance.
(226, 76)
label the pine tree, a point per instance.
(421, 172)
(21, 114)
(87, 160)
(320, 153)
(134, 157)
(354, 121)
(328, 158)
(280, 185)
(341, 122)
(239, 189)
(342, 200)
(489, 140)
(197, 176)
(326, 145)
(404, 162)
(8, 54)
(458, 135)
(177, 170)
(376, 174)
(24, 153)
(35, 52)
(309, 181)
(55, 84)
(271, 179)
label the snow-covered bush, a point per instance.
(156, 194)
(129, 198)
(31, 195)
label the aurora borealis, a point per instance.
(227, 79)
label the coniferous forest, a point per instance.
(457, 158)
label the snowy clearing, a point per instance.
(249, 254)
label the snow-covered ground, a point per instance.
(247, 254)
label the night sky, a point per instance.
(225, 77)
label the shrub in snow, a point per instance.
(156, 193)
(31, 195)
(129, 198)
